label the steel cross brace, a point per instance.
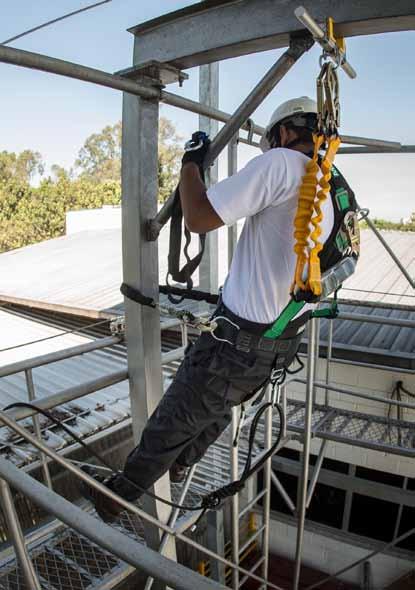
(298, 46)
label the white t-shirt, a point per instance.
(265, 192)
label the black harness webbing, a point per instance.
(136, 295)
(184, 274)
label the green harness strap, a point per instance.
(291, 310)
(285, 317)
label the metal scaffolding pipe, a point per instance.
(16, 536)
(59, 355)
(373, 319)
(137, 555)
(380, 149)
(375, 398)
(390, 252)
(70, 394)
(51, 65)
(308, 421)
(72, 468)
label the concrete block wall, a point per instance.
(367, 380)
(330, 555)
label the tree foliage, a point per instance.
(393, 225)
(99, 159)
(20, 167)
(30, 214)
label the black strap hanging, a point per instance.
(184, 274)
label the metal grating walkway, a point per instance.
(353, 428)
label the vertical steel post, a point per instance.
(36, 425)
(209, 95)
(216, 543)
(317, 356)
(302, 496)
(17, 538)
(328, 360)
(235, 498)
(283, 389)
(232, 169)
(266, 503)
(140, 269)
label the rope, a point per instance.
(210, 501)
(55, 20)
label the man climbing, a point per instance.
(227, 368)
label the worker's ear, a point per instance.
(283, 135)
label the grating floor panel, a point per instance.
(374, 432)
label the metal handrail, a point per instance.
(139, 556)
(375, 398)
(59, 355)
(10, 423)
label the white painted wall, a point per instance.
(331, 555)
(108, 217)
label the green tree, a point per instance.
(99, 159)
(30, 214)
(20, 167)
(100, 156)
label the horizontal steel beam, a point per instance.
(403, 149)
(125, 548)
(59, 355)
(213, 31)
(347, 482)
(360, 394)
(51, 65)
(70, 394)
(373, 319)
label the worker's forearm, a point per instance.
(192, 190)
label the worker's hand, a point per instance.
(196, 148)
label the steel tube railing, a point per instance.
(316, 473)
(44, 63)
(36, 425)
(390, 252)
(107, 492)
(276, 482)
(234, 473)
(70, 394)
(134, 553)
(173, 355)
(373, 319)
(59, 355)
(302, 495)
(375, 398)
(16, 536)
(172, 521)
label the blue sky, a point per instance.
(54, 115)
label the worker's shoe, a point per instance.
(107, 508)
(178, 473)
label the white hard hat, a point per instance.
(290, 108)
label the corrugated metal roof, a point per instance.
(81, 273)
(88, 415)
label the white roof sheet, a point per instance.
(82, 273)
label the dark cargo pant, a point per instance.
(196, 408)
